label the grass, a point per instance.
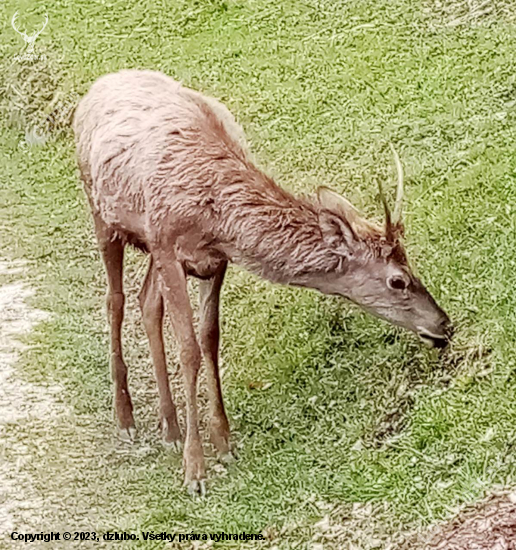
(334, 413)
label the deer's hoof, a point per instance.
(196, 488)
(193, 463)
(219, 437)
(127, 434)
(171, 433)
(227, 458)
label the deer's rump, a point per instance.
(150, 149)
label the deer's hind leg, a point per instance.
(151, 303)
(112, 251)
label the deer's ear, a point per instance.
(333, 201)
(336, 231)
(342, 207)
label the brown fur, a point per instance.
(166, 169)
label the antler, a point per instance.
(388, 222)
(44, 25)
(393, 221)
(399, 193)
(13, 23)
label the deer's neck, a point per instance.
(276, 235)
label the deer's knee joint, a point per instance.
(115, 301)
(190, 357)
(152, 316)
(151, 305)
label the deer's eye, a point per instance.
(397, 282)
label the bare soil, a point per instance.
(489, 525)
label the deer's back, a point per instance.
(152, 152)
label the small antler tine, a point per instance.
(399, 192)
(386, 208)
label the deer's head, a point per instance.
(375, 272)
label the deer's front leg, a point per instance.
(175, 292)
(209, 335)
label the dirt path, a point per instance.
(20, 401)
(47, 482)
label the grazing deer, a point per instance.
(166, 170)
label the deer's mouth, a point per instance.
(433, 340)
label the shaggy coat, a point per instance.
(158, 158)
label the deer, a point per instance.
(30, 39)
(167, 170)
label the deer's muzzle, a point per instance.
(439, 339)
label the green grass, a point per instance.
(345, 409)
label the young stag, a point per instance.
(166, 170)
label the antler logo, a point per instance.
(30, 39)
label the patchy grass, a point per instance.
(342, 423)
